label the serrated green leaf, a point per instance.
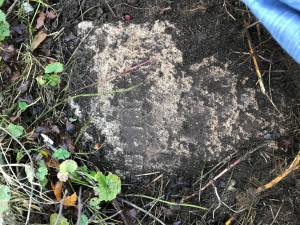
(44, 182)
(56, 67)
(22, 105)
(41, 173)
(1, 2)
(54, 80)
(4, 29)
(40, 80)
(15, 130)
(62, 219)
(2, 16)
(94, 202)
(108, 186)
(68, 166)
(61, 154)
(84, 219)
(4, 198)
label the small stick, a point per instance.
(253, 55)
(132, 68)
(11, 8)
(227, 169)
(154, 180)
(276, 180)
(224, 4)
(232, 165)
(294, 166)
(79, 207)
(110, 9)
(146, 174)
(110, 217)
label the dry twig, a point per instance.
(294, 166)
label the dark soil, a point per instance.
(206, 29)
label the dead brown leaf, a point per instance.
(51, 162)
(38, 39)
(18, 29)
(55, 129)
(57, 189)
(71, 200)
(24, 87)
(50, 15)
(67, 142)
(97, 146)
(40, 20)
(14, 118)
(16, 76)
(129, 215)
(69, 127)
(26, 97)
(8, 53)
(283, 144)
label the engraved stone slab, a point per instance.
(176, 117)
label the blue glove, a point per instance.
(282, 19)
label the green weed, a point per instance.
(51, 76)
(4, 25)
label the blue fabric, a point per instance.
(282, 19)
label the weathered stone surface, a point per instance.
(175, 117)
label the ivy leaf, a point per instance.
(108, 186)
(68, 166)
(61, 154)
(56, 67)
(22, 105)
(15, 130)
